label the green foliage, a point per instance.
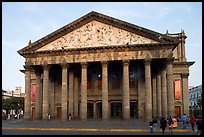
(13, 103)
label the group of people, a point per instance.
(172, 122)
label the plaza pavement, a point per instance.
(90, 125)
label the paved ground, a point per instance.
(83, 127)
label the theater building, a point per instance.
(102, 67)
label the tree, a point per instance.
(13, 103)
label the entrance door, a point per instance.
(59, 112)
(99, 110)
(116, 110)
(177, 112)
(89, 110)
(133, 110)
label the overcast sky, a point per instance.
(24, 21)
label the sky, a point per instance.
(24, 21)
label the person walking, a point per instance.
(151, 126)
(154, 124)
(170, 125)
(184, 120)
(192, 122)
(163, 124)
(199, 126)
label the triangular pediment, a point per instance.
(95, 34)
(96, 30)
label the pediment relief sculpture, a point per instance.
(95, 34)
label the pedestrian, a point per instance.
(184, 121)
(49, 116)
(70, 116)
(154, 124)
(199, 126)
(170, 124)
(175, 122)
(163, 124)
(192, 122)
(151, 126)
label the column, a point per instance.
(154, 98)
(45, 90)
(83, 109)
(37, 101)
(185, 91)
(158, 88)
(105, 113)
(52, 98)
(164, 93)
(27, 103)
(64, 91)
(141, 92)
(170, 91)
(94, 109)
(126, 92)
(76, 102)
(148, 93)
(71, 94)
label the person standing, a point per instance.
(70, 116)
(175, 125)
(163, 124)
(184, 119)
(170, 124)
(192, 122)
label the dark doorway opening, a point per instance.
(116, 110)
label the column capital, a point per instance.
(126, 62)
(46, 67)
(84, 64)
(170, 60)
(147, 61)
(64, 65)
(104, 63)
(28, 67)
(184, 75)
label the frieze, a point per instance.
(95, 34)
(97, 57)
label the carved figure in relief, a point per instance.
(96, 34)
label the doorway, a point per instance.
(116, 110)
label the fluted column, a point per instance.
(45, 90)
(148, 90)
(27, 103)
(164, 93)
(64, 91)
(71, 94)
(158, 88)
(105, 109)
(76, 102)
(170, 91)
(154, 98)
(37, 101)
(126, 92)
(185, 100)
(83, 109)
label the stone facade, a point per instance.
(102, 67)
